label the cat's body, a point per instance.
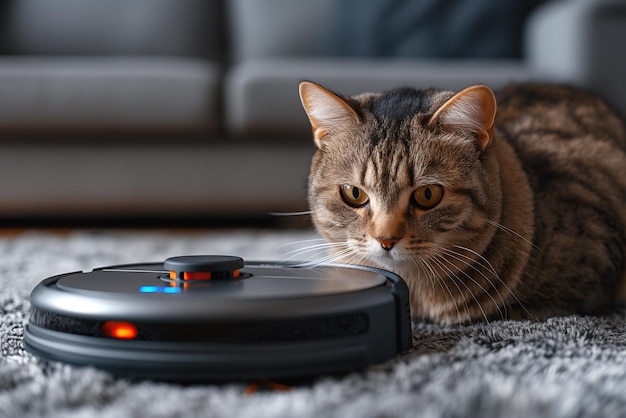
(526, 219)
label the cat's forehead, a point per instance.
(388, 172)
(399, 162)
(402, 103)
(397, 122)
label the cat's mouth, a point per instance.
(371, 252)
(389, 257)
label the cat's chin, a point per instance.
(388, 261)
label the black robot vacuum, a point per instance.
(216, 318)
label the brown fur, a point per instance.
(532, 221)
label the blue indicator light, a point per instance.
(159, 289)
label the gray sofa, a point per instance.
(188, 109)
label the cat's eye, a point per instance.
(353, 196)
(427, 197)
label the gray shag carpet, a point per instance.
(564, 367)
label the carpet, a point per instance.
(564, 367)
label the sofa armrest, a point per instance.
(581, 42)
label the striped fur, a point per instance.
(532, 222)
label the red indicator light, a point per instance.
(204, 275)
(120, 330)
(196, 275)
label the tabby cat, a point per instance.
(519, 213)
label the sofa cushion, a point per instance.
(430, 28)
(275, 28)
(115, 27)
(108, 92)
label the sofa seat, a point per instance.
(105, 92)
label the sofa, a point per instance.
(181, 110)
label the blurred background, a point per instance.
(187, 111)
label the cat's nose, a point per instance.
(387, 244)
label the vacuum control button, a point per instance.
(203, 267)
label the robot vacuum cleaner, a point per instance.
(217, 318)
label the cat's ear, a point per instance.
(472, 110)
(327, 112)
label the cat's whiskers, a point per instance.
(294, 243)
(480, 259)
(338, 255)
(454, 277)
(510, 231)
(301, 213)
(433, 278)
(314, 248)
(442, 280)
(459, 257)
(423, 266)
(333, 257)
(493, 270)
(316, 254)
(325, 252)
(442, 284)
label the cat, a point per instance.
(518, 213)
